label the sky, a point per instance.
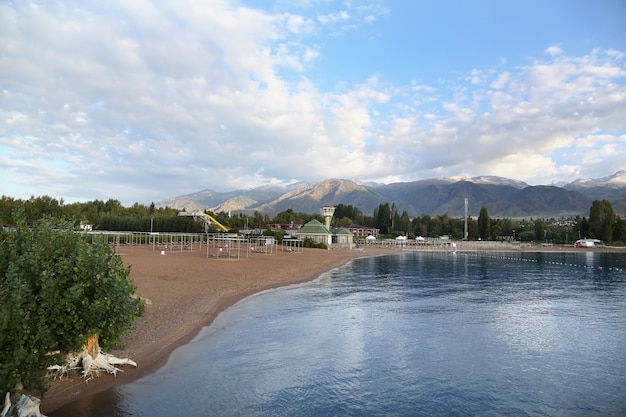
(144, 100)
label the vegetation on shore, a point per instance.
(58, 289)
(602, 223)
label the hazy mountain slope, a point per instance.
(545, 198)
(230, 201)
(492, 180)
(501, 196)
(434, 198)
(309, 198)
(195, 201)
(612, 188)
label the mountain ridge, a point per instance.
(503, 197)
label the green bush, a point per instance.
(310, 243)
(56, 289)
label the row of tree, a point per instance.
(36, 208)
(602, 222)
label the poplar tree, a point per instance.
(601, 220)
(484, 224)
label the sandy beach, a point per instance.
(186, 291)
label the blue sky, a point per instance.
(145, 100)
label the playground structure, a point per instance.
(226, 247)
(206, 218)
(159, 241)
(217, 245)
(266, 245)
(293, 245)
(176, 241)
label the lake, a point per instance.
(411, 334)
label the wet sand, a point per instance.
(186, 291)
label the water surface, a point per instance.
(421, 334)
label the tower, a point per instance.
(327, 212)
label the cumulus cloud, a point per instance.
(523, 124)
(141, 101)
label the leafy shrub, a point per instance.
(56, 289)
(310, 243)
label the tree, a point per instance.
(484, 224)
(472, 228)
(382, 218)
(350, 212)
(421, 225)
(619, 230)
(403, 222)
(583, 228)
(258, 219)
(601, 220)
(58, 291)
(540, 229)
(344, 222)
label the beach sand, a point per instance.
(186, 291)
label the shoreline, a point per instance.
(186, 292)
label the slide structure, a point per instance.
(206, 217)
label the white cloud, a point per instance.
(554, 50)
(337, 17)
(141, 101)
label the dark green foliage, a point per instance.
(36, 208)
(310, 243)
(347, 211)
(601, 220)
(56, 290)
(527, 236)
(173, 223)
(279, 235)
(619, 230)
(540, 230)
(484, 224)
(382, 218)
(288, 216)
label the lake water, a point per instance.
(414, 334)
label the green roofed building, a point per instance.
(319, 233)
(315, 231)
(342, 237)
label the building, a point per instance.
(361, 232)
(319, 233)
(315, 231)
(342, 237)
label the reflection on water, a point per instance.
(411, 334)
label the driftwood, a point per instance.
(92, 360)
(26, 406)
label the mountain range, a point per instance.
(502, 197)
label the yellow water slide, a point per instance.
(218, 224)
(207, 218)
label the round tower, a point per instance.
(327, 212)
